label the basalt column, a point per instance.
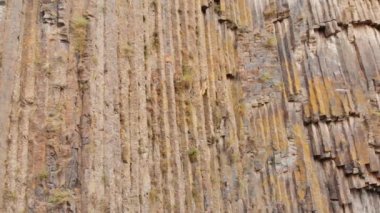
(190, 106)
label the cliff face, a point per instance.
(189, 106)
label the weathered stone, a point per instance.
(189, 106)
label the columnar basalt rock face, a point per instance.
(189, 106)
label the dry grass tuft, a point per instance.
(79, 30)
(60, 196)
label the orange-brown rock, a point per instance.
(190, 106)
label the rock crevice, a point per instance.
(189, 106)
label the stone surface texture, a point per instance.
(190, 106)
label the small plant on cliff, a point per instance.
(197, 197)
(271, 42)
(234, 157)
(146, 52)
(218, 9)
(43, 175)
(10, 195)
(270, 11)
(187, 78)
(187, 75)
(193, 154)
(60, 196)
(105, 179)
(154, 195)
(266, 77)
(376, 113)
(127, 50)
(278, 85)
(79, 29)
(156, 41)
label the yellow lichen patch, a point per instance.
(267, 128)
(243, 13)
(275, 133)
(306, 173)
(296, 79)
(306, 112)
(283, 194)
(300, 171)
(288, 81)
(322, 97)
(283, 141)
(274, 185)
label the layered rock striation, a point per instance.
(190, 106)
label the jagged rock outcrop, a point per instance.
(189, 106)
